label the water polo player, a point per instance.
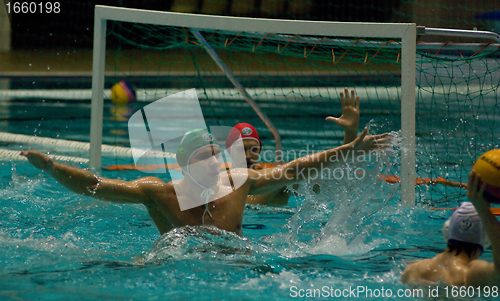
(221, 196)
(466, 233)
(252, 145)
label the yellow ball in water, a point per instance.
(122, 93)
(488, 167)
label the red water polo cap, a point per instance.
(242, 131)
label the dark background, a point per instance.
(73, 27)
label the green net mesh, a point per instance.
(458, 118)
(296, 80)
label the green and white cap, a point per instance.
(192, 142)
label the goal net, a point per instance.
(458, 118)
(293, 71)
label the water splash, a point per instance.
(195, 242)
(340, 218)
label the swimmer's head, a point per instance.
(248, 137)
(488, 168)
(465, 226)
(192, 143)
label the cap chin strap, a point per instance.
(205, 194)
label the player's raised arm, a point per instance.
(86, 183)
(313, 165)
(482, 272)
(349, 120)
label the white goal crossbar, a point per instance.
(404, 31)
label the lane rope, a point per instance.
(118, 151)
(15, 155)
(291, 94)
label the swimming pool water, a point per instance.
(55, 245)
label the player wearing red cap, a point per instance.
(252, 144)
(252, 148)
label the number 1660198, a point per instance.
(33, 7)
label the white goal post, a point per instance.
(404, 31)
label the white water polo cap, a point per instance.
(466, 226)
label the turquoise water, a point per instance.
(55, 245)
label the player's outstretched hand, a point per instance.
(366, 143)
(349, 120)
(37, 159)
